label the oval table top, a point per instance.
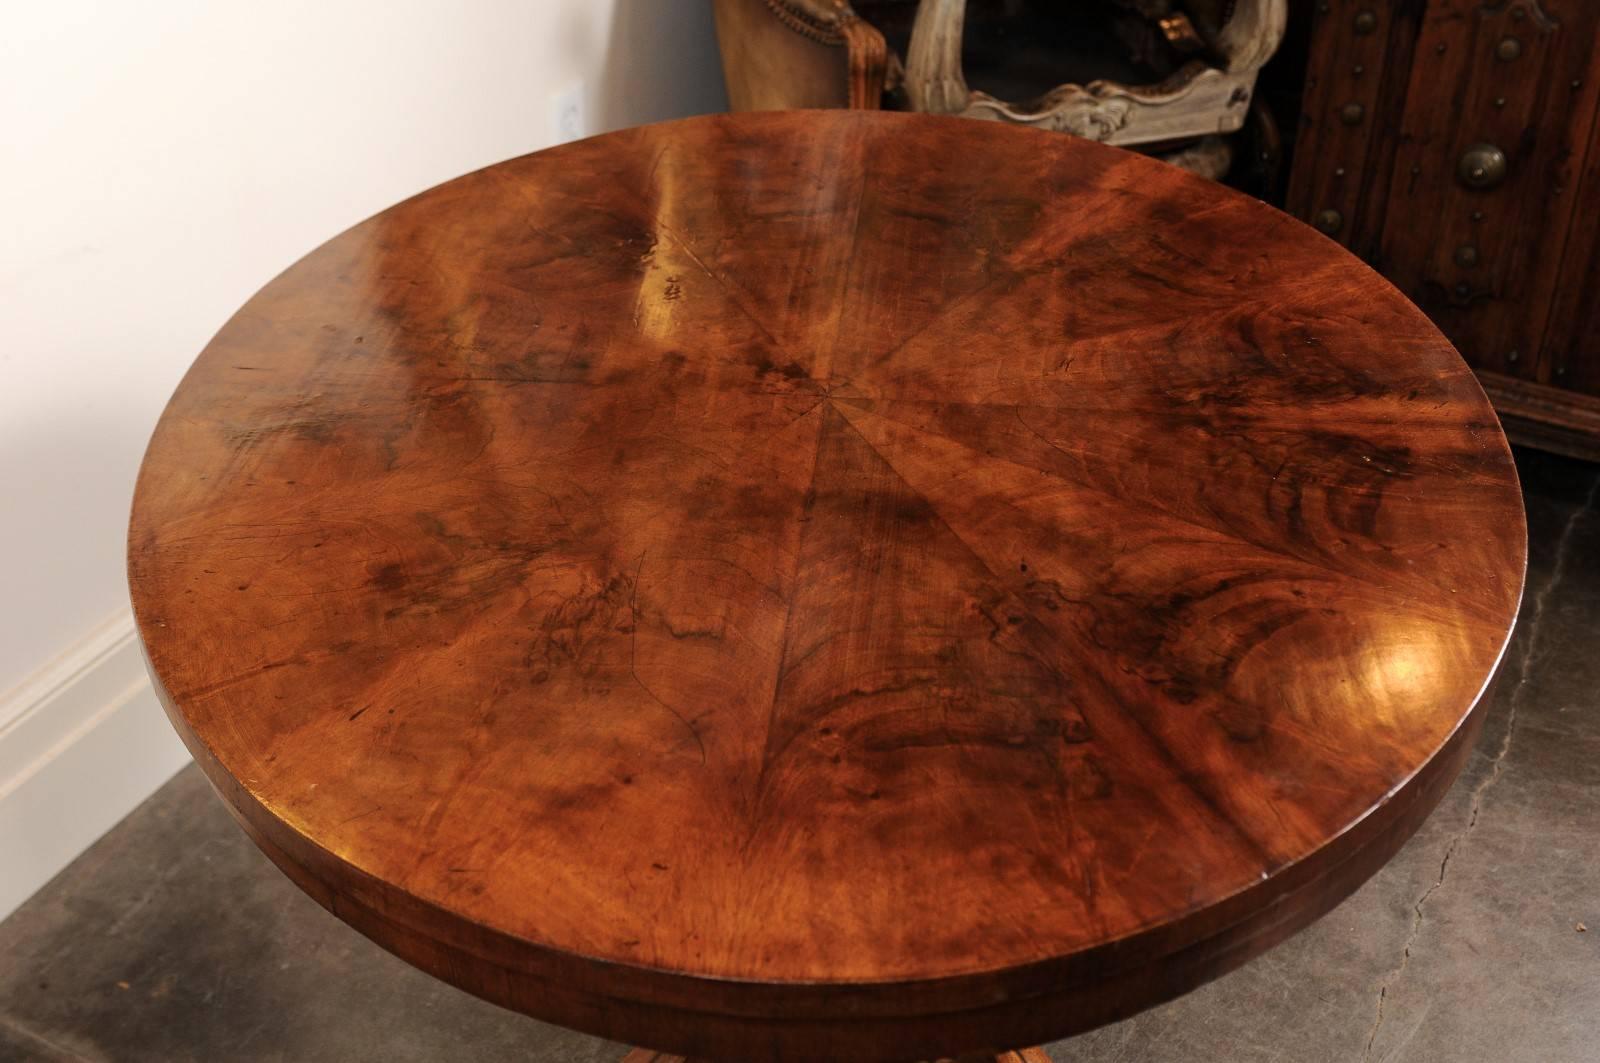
(828, 584)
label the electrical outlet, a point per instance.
(566, 114)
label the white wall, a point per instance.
(162, 159)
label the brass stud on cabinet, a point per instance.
(1466, 256)
(1329, 221)
(1352, 113)
(1482, 166)
(1365, 22)
(1512, 356)
(1508, 49)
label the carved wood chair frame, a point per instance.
(1197, 100)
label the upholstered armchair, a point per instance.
(778, 54)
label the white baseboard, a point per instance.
(82, 742)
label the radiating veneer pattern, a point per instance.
(828, 584)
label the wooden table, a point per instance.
(828, 585)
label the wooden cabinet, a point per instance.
(1453, 144)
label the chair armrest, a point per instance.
(1251, 34)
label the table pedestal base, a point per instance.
(1025, 1055)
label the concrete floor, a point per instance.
(173, 939)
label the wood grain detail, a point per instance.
(849, 585)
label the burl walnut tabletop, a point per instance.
(828, 585)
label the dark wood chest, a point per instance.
(1454, 145)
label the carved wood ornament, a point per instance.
(1197, 100)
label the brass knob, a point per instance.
(1352, 113)
(1508, 49)
(1482, 166)
(1466, 256)
(1329, 221)
(1365, 22)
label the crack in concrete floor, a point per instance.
(1530, 652)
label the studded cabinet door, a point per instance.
(1355, 88)
(1570, 354)
(1496, 123)
(1452, 143)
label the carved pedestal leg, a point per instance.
(1025, 1055)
